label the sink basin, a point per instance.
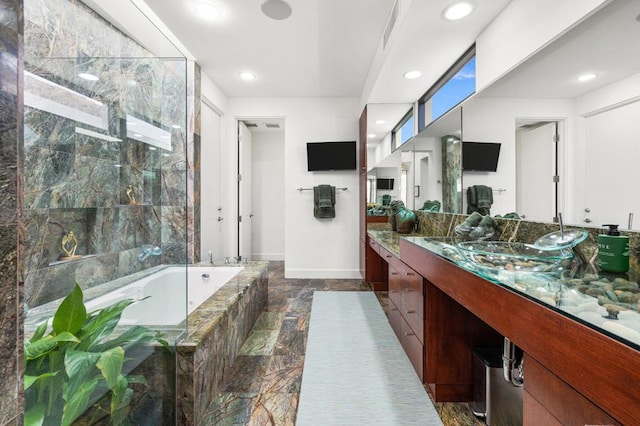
(495, 257)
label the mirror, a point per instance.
(438, 164)
(390, 173)
(595, 121)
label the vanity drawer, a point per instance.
(385, 254)
(415, 322)
(395, 319)
(413, 348)
(395, 286)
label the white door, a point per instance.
(211, 213)
(244, 191)
(612, 155)
(535, 170)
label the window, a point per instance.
(457, 84)
(403, 131)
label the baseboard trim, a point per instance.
(345, 274)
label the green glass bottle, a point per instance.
(613, 250)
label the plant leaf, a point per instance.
(110, 364)
(29, 380)
(133, 336)
(34, 416)
(102, 323)
(80, 367)
(137, 379)
(77, 402)
(71, 313)
(37, 348)
(39, 331)
(120, 401)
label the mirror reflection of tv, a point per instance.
(323, 156)
(384, 183)
(480, 156)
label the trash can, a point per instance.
(494, 398)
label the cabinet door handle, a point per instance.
(394, 309)
(388, 256)
(394, 273)
(408, 334)
(407, 290)
(410, 312)
(411, 273)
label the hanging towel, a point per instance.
(324, 201)
(479, 199)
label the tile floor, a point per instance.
(264, 384)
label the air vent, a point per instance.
(393, 17)
(251, 124)
(272, 125)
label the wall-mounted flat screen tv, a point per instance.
(331, 156)
(480, 156)
(384, 183)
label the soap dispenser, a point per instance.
(613, 250)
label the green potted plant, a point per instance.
(79, 360)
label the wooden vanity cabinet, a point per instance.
(406, 311)
(376, 270)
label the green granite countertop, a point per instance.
(606, 302)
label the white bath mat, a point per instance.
(355, 371)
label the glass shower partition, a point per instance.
(105, 212)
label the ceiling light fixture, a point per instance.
(587, 77)
(88, 77)
(380, 121)
(207, 10)
(247, 76)
(458, 11)
(411, 75)
(276, 9)
(371, 135)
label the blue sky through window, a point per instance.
(455, 90)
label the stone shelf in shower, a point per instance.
(59, 262)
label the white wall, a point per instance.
(313, 248)
(494, 120)
(523, 28)
(267, 202)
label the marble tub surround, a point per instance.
(212, 342)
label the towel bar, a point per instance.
(311, 189)
(494, 190)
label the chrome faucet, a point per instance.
(147, 250)
(210, 257)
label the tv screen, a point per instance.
(384, 183)
(331, 156)
(480, 156)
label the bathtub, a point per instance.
(161, 298)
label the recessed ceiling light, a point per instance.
(245, 75)
(88, 77)
(458, 11)
(371, 135)
(410, 75)
(276, 9)
(207, 10)
(380, 121)
(587, 77)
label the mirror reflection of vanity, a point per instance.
(596, 122)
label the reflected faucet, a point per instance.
(147, 250)
(210, 253)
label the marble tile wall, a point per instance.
(10, 213)
(75, 182)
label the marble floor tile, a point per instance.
(260, 342)
(246, 374)
(284, 374)
(274, 409)
(269, 321)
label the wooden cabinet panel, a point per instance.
(395, 319)
(534, 414)
(561, 400)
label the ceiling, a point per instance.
(327, 48)
(604, 44)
